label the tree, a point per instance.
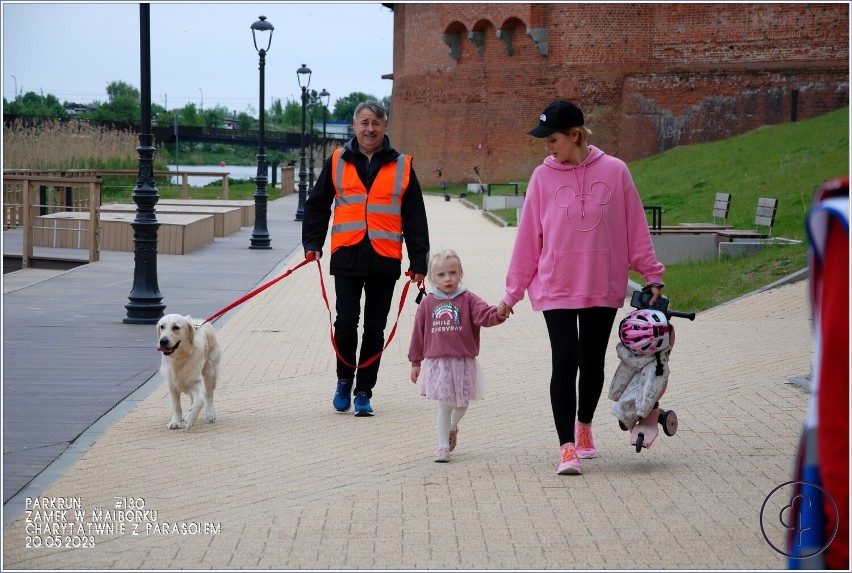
(215, 117)
(32, 103)
(284, 117)
(246, 120)
(344, 108)
(123, 105)
(120, 90)
(188, 115)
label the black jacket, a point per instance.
(361, 260)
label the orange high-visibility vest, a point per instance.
(377, 213)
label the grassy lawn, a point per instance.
(787, 162)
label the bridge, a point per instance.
(283, 141)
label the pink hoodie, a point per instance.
(581, 229)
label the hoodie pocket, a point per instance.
(580, 273)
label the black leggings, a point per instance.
(571, 352)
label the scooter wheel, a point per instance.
(622, 426)
(639, 439)
(669, 423)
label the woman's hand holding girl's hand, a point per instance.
(504, 310)
(415, 372)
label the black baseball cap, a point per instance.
(561, 114)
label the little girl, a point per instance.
(446, 335)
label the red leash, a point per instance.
(393, 330)
(256, 291)
(265, 286)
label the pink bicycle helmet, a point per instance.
(645, 331)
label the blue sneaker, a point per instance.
(343, 396)
(362, 405)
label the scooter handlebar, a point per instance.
(642, 300)
(689, 315)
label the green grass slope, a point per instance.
(785, 162)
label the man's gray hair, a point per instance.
(373, 106)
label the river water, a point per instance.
(234, 172)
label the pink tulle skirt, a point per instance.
(451, 379)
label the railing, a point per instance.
(76, 173)
(184, 175)
(164, 133)
(26, 197)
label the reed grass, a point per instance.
(68, 145)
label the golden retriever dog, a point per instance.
(190, 365)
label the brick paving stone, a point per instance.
(295, 485)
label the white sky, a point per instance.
(199, 50)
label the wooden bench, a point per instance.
(721, 207)
(656, 216)
(177, 235)
(246, 206)
(764, 218)
(510, 185)
(226, 220)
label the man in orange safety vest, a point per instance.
(376, 202)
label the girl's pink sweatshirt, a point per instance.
(581, 229)
(449, 325)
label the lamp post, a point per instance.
(260, 234)
(324, 99)
(145, 306)
(312, 108)
(16, 87)
(300, 209)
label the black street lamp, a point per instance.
(311, 109)
(145, 306)
(324, 99)
(260, 234)
(300, 210)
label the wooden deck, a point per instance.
(226, 220)
(178, 234)
(246, 207)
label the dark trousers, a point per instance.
(378, 295)
(578, 341)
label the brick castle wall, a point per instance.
(649, 77)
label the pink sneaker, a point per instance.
(585, 444)
(442, 455)
(568, 463)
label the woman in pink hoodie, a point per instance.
(582, 228)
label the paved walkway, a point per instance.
(280, 481)
(69, 359)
